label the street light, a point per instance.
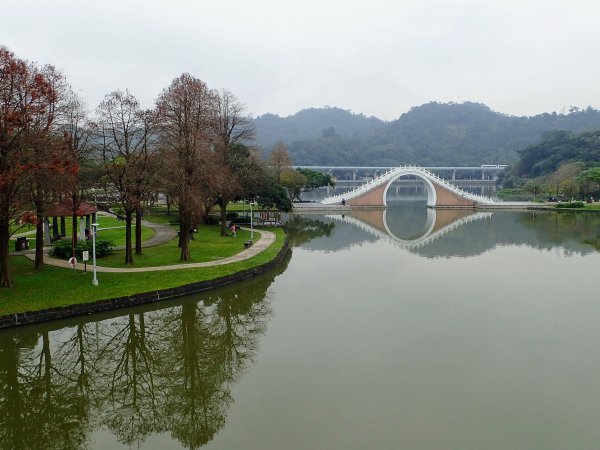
(94, 227)
(251, 222)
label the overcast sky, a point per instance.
(377, 57)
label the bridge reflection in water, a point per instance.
(405, 228)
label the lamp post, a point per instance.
(251, 222)
(94, 227)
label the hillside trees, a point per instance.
(562, 160)
(432, 134)
(591, 176)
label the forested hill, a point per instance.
(431, 134)
(312, 123)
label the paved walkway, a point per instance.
(161, 236)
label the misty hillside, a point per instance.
(312, 123)
(433, 134)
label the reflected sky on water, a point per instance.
(399, 328)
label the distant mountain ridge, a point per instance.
(431, 134)
(312, 123)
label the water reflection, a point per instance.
(149, 371)
(456, 232)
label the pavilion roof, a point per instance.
(65, 209)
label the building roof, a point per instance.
(65, 209)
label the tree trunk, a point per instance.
(184, 237)
(39, 244)
(55, 232)
(128, 250)
(5, 279)
(74, 233)
(63, 226)
(168, 200)
(39, 236)
(224, 203)
(185, 248)
(180, 237)
(138, 232)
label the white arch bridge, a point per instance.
(440, 193)
(438, 225)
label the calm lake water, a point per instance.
(400, 329)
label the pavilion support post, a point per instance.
(55, 233)
(63, 226)
(81, 229)
(46, 231)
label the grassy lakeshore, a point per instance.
(207, 245)
(53, 286)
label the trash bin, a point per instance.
(21, 244)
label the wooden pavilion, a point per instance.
(85, 212)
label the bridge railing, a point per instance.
(364, 188)
(420, 241)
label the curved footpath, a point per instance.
(109, 304)
(162, 234)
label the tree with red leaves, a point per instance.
(29, 152)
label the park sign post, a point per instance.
(86, 258)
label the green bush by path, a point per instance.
(570, 205)
(54, 286)
(62, 249)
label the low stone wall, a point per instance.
(63, 312)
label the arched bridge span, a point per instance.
(435, 227)
(440, 193)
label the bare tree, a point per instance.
(186, 111)
(77, 133)
(279, 160)
(123, 130)
(232, 128)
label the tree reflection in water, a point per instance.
(149, 371)
(302, 229)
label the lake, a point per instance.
(403, 328)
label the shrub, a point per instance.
(62, 249)
(570, 205)
(212, 220)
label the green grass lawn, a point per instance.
(208, 245)
(53, 286)
(159, 215)
(117, 235)
(586, 207)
